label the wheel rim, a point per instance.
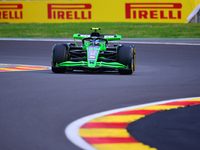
(132, 65)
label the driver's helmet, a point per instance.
(97, 41)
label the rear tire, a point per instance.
(127, 57)
(59, 55)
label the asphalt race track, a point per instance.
(36, 106)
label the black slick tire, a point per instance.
(58, 56)
(126, 56)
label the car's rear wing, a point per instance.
(108, 37)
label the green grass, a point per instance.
(127, 30)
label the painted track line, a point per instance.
(132, 41)
(72, 131)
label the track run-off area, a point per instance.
(39, 108)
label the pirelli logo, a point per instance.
(11, 11)
(69, 11)
(153, 11)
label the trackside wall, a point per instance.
(159, 11)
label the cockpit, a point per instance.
(94, 41)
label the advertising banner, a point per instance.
(155, 11)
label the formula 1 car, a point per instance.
(93, 55)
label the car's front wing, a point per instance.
(84, 64)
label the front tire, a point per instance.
(127, 57)
(59, 55)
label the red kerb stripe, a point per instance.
(183, 103)
(99, 140)
(104, 125)
(135, 112)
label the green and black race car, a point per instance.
(94, 54)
